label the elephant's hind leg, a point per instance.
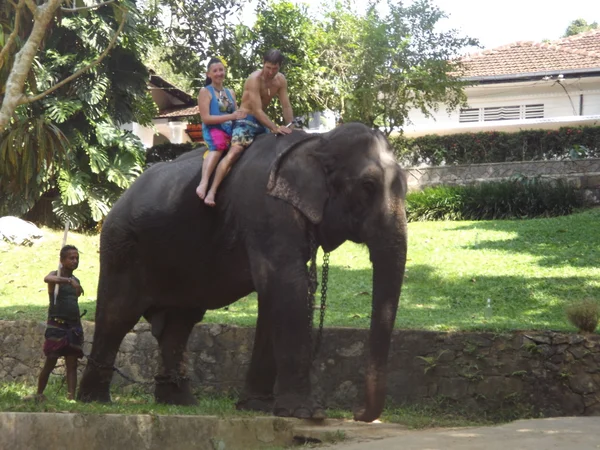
(172, 329)
(260, 380)
(113, 321)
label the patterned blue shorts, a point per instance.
(245, 130)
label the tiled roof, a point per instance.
(180, 111)
(588, 41)
(576, 52)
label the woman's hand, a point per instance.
(239, 114)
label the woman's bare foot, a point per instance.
(210, 199)
(201, 190)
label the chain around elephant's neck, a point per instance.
(312, 287)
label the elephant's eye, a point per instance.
(369, 186)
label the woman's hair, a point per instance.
(212, 61)
(65, 250)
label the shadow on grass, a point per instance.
(565, 240)
(428, 301)
(432, 302)
(29, 311)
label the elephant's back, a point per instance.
(160, 210)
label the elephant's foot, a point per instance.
(257, 403)
(173, 391)
(95, 385)
(301, 409)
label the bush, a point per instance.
(494, 146)
(584, 315)
(168, 152)
(518, 198)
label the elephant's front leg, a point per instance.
(285, 289)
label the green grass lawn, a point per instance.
(530, 269)
(414, 416)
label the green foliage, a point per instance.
(289, 28)
(403, 62)
(494, 146)
(518, 198)
(167, 152)
(70, 142)
(584, 315)
(579, 26)
(30, 150)
(372, 68)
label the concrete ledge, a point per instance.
(49, 431)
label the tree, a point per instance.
(402, 62)
(289, 28)
(579, 26)
(196, 30)
(67, 146)
(36, 19)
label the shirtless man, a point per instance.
(259, 89)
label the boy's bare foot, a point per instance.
(210, 200)
(201, 190)
(38, 398)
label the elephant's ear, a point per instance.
(298, 177)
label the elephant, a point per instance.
(168, 257)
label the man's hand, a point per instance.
(283, 130)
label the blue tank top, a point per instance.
(221, 104)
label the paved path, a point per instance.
(566, 433)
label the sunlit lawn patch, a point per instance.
(530, 269)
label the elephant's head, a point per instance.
(347, 183)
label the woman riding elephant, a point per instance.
(217, 107)
(169, 259)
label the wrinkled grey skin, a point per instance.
(168, 257)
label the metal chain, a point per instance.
(324, 281)
(312, 280)
(312, 287)
(116, 369)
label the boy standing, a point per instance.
(64, 334)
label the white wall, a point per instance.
(558, 105)
(174, 132)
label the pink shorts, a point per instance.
(216, 139)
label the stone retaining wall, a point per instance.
(545, 372)
(584, 174)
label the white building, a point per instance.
(174, 108)
(524, 85)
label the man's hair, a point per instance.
(274, 56)
(65, 250)
(210, 63)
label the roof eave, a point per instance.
(524, 76)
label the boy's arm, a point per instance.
(284, 99)
(53, 279)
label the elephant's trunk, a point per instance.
(389, 260)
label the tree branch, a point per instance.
(13, 92)
(112, 43)
(32, 6)
(13, 35)
(85, 8)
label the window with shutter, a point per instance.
(495, 113)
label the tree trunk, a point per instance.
(15, 84)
